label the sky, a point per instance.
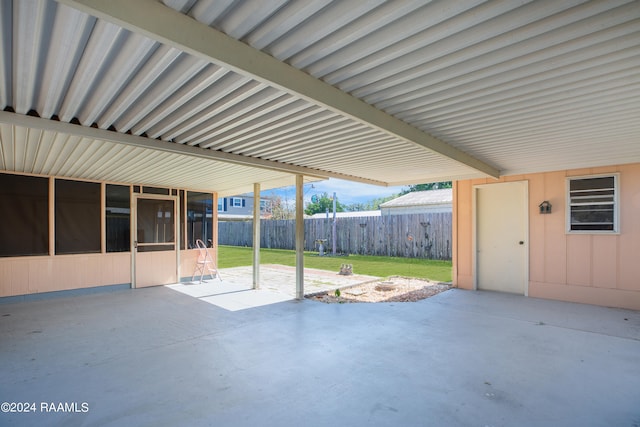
(347, 192)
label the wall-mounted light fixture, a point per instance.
(545, 207)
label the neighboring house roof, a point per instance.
(212, 95)
(421, 198)
(355, 214)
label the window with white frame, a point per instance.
(593, 204)
(236, 202)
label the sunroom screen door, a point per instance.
(155, 241)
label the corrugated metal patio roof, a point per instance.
(237, 92)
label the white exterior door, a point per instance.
(502, 237)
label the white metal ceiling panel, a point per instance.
(41, 152)
(520, 86)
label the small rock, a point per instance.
(385, 287)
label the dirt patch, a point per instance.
(393, 289)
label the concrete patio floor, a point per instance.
(157, 357)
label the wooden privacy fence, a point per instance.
(425, 235)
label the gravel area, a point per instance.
(393, 289)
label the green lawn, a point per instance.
(233, 256)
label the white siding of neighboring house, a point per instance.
(402, 210)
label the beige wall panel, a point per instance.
(93, 270)
(188, 260)
(629, 240)
(588, 268)
(579, 172)
(463, 226)
(115, 269)
(5, 277)
(20, 277)
(605, 261)
(586, 295)
(30, 275)
(629, 262)
(555, 242)
(69, 272)
(513, 178)
(41, 274)
(605, 169)
(579, 260)
(464, 282)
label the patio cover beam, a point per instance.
(163, 24)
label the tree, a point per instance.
(425, 187)
(280, 209)
(356, 207)
(371, 205)
(320, 204)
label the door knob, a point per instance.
(521, 242)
